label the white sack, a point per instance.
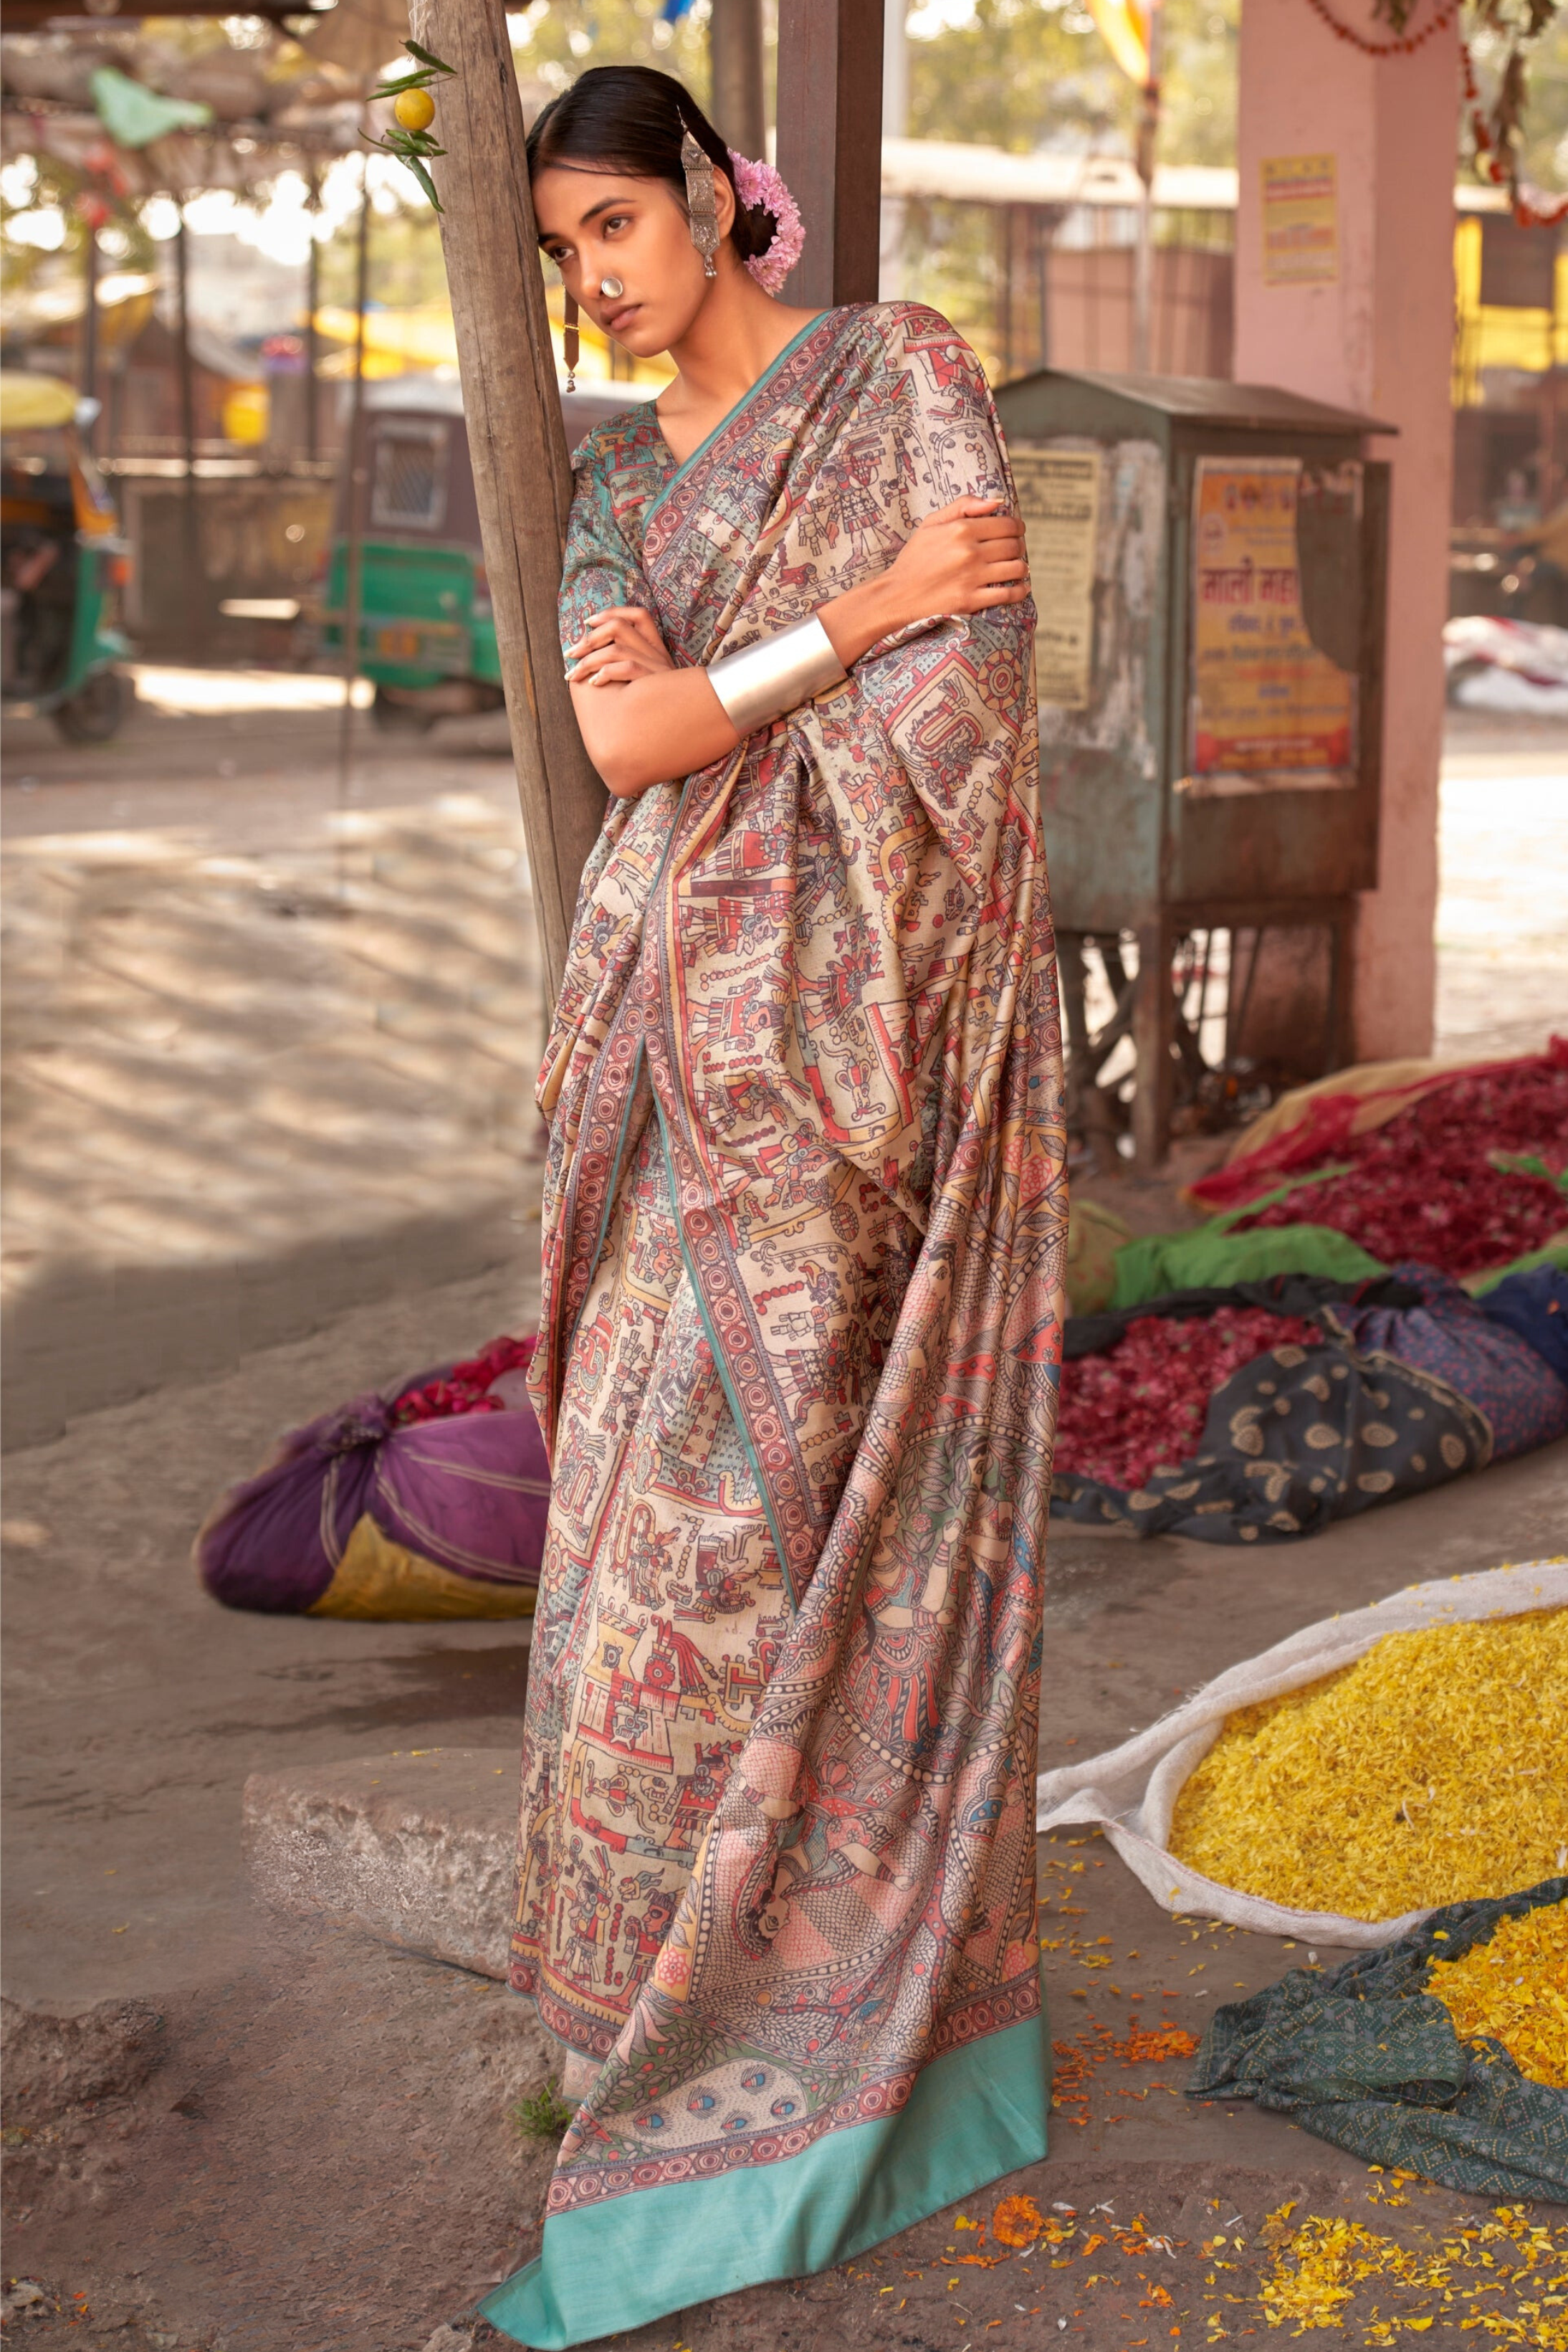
(1130, 1792)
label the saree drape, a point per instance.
(804, 1239)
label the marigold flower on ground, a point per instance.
(1016, 2222)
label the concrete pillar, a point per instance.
(1375, 336)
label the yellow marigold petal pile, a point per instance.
(1515, 1988)
(1432, 1770)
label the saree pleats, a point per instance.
(804, 1235)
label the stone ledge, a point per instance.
(416, 1848)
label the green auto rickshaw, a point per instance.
(427, 634)
(63, 564)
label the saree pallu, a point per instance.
(804, 1240)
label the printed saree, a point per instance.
(804, 1239)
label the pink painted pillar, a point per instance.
(1376, 337)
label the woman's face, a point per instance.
(598, 225)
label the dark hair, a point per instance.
(631, 119)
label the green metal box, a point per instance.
(1209, 563)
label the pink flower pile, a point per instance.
(1141, 1406)
(466, 1387)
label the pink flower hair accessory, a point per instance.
(759, 184)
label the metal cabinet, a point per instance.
(1209, 563)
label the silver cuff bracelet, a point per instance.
(775, 676)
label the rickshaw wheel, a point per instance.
(96, 709)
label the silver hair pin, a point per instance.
(702, 200)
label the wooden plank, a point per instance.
(830, 144)
(522, 475)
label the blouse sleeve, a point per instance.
(600, 567)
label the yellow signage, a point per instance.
(1301, 220)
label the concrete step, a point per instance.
(417, 1848)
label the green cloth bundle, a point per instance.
(1368, 2059)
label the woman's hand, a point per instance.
(617, 645)
(657, 721)
(962, 559)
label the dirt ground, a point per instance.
(246, 2136)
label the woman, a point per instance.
(803, 1236)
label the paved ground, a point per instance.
(314, 2151)
(268, 1039)
(269, 1048)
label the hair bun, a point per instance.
(757, 228)
(775, 231)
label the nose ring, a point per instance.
(611, 287)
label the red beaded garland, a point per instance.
(1404, 48)
(1528, 214)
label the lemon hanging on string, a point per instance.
(416, 110)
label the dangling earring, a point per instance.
(569, 342)
(702, 200)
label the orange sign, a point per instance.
(1265, 699)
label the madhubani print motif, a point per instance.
(668, 1611)
(804, 1236)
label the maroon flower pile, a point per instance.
(1422, 1186)
(466, 1387)
(1140, 1406)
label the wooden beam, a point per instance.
(735, 47)
(830, 143)
(52, 15)
(522, 475)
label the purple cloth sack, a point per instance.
(471, 1493)
(1451, 1335)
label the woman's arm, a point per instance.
(643, 720)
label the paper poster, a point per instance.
(1301, 220)
(1059, 498)
(1269, 709)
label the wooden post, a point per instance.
(354, 524)
(517, 439)
(312, 304)
(195, 599)
(1154, 1034)
(735, 47)
(830, 144)
(89, 325)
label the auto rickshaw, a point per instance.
(62, 565)
(427, 634)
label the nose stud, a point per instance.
(612, 288)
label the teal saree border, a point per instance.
(769, 373)
(973, 2114)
